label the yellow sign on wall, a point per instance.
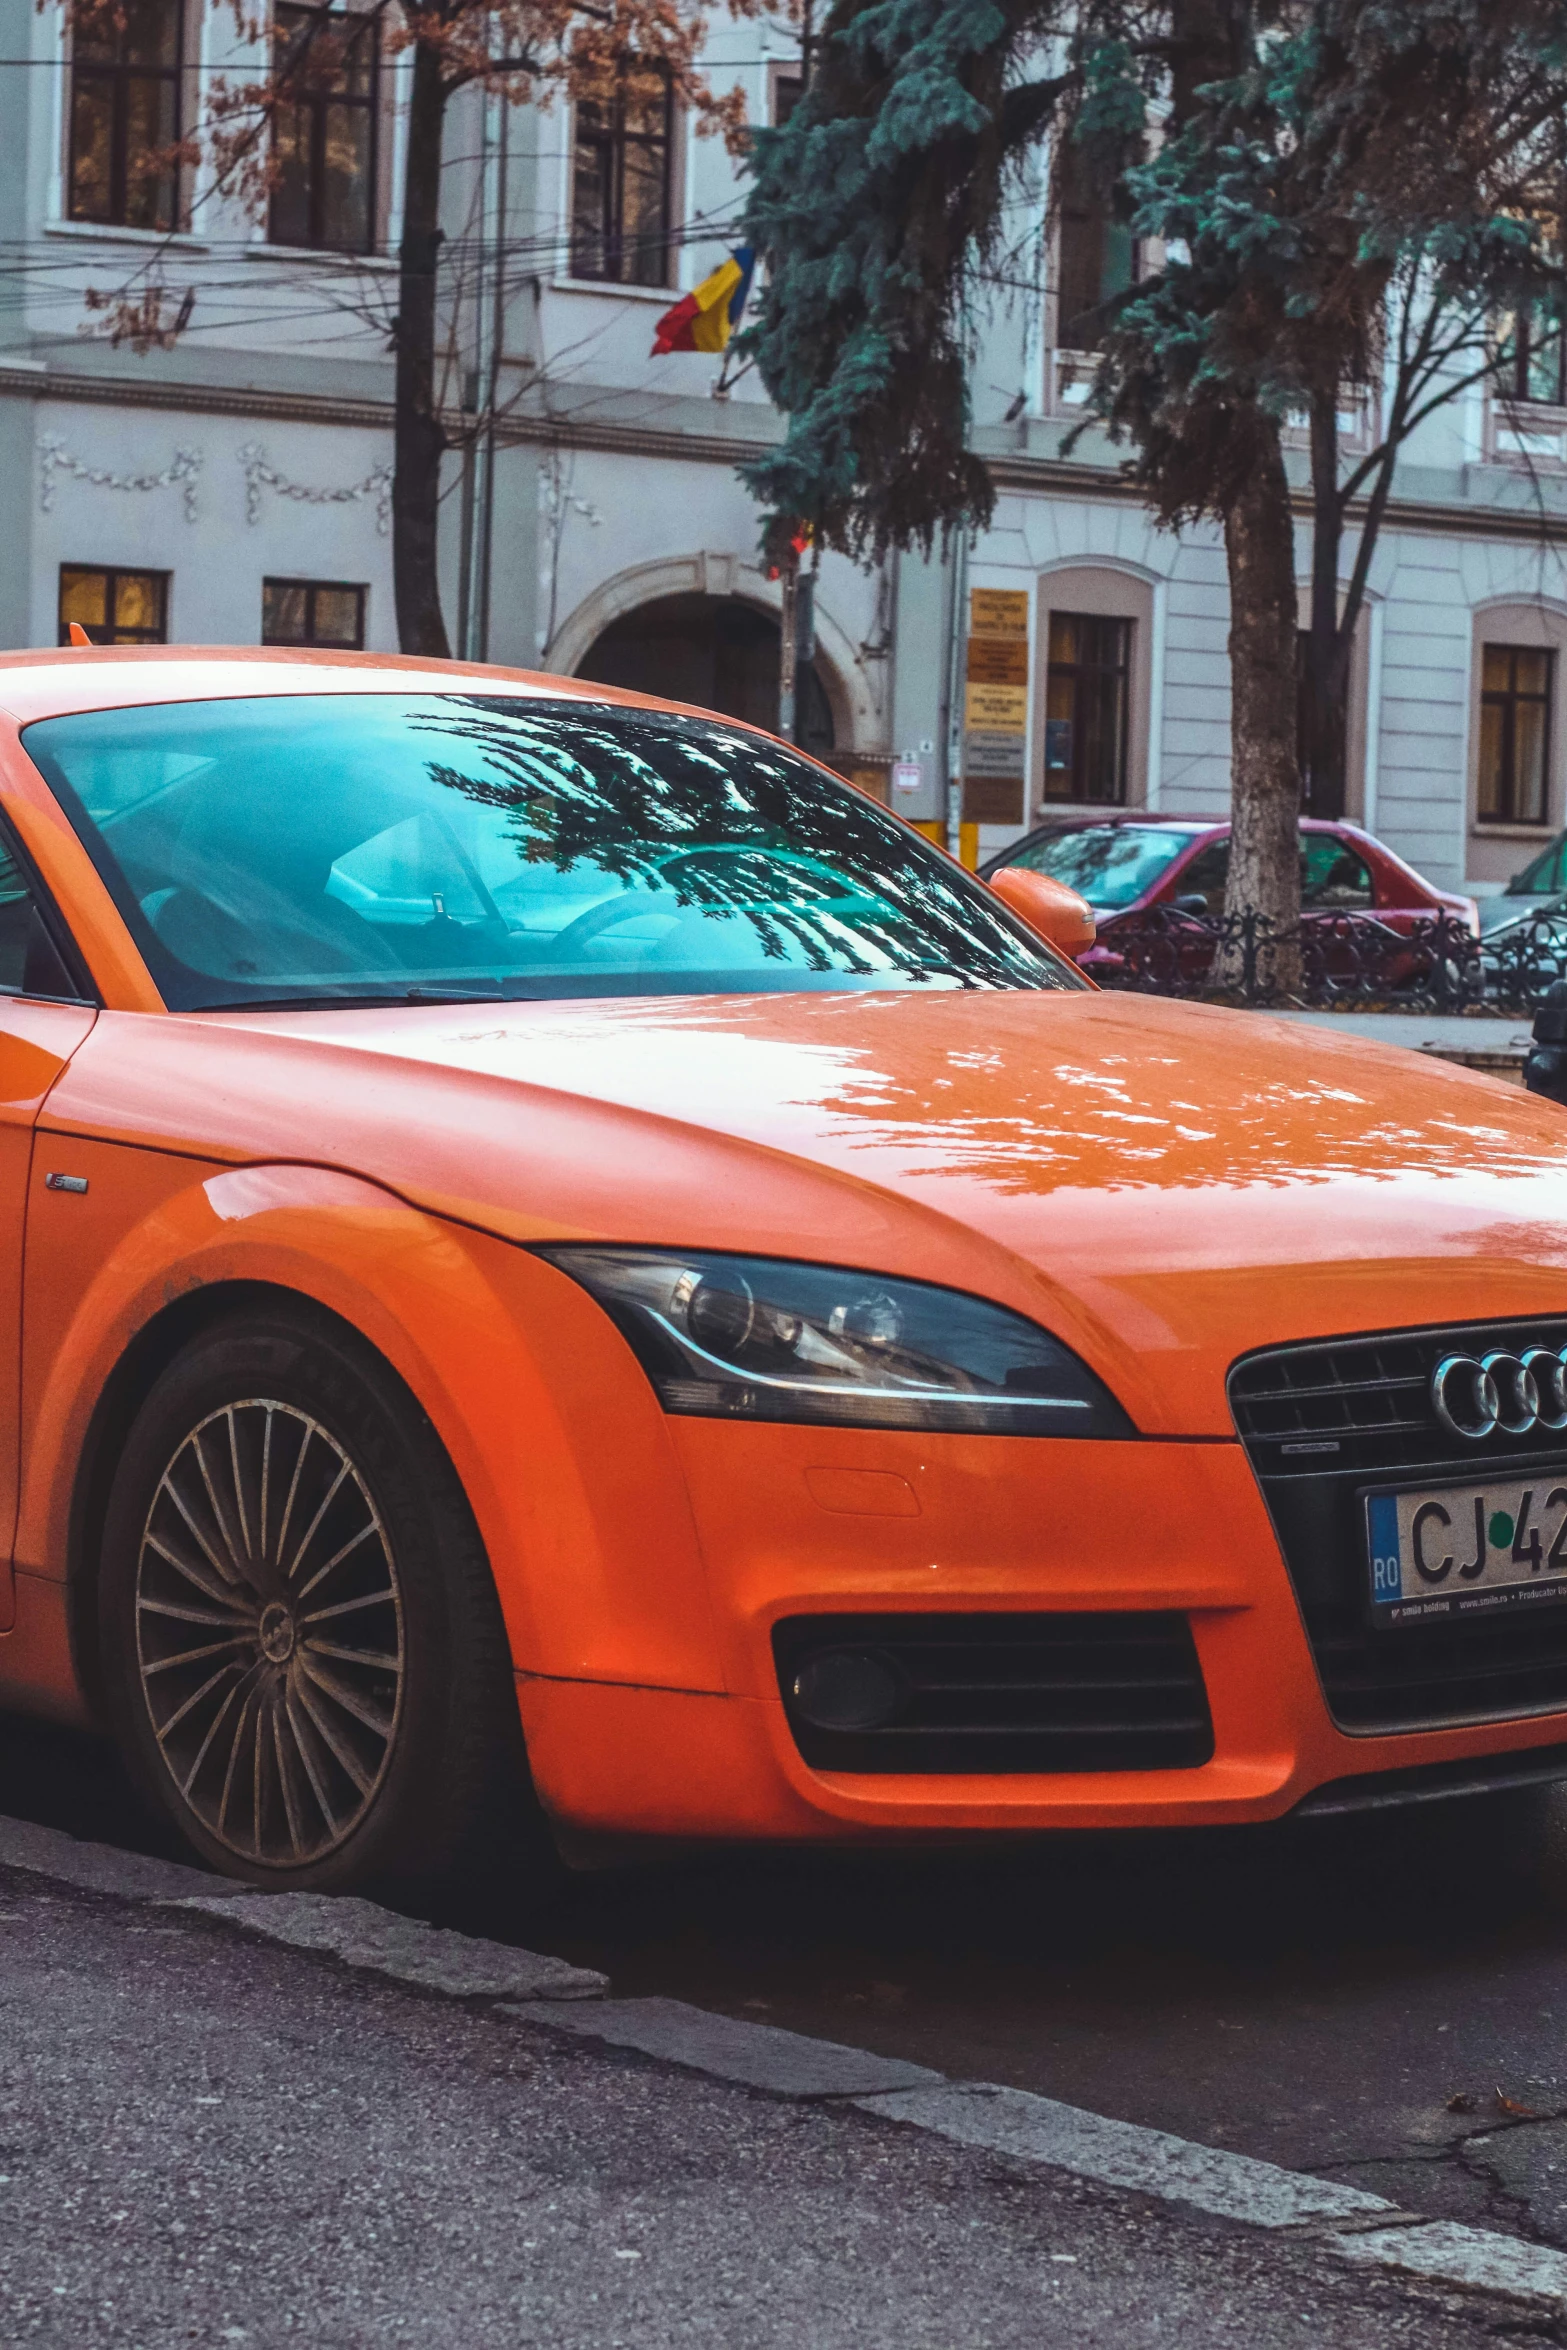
(998, 612)
(996, 709)
(998, 660)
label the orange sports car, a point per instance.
(534, 1219)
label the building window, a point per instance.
(1516, 683)
(1087, 695)
(324, 136)
(115, 607)
(1096, 259)
(788, 85)
(312, 612)
(622, 189)
(125, 115)
(1534, 361)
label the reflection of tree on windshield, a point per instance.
(728, 825)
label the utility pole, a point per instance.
(478, 537)
(789, 644)
(956, 632)
(793, 592)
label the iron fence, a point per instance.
(1348, 962)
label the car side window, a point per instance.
(1334, 878)
(1205, 876)
(30, 962)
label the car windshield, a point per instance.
(1543, 875)
(1109, 864)
(435, 847)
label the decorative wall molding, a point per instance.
(1014, 469)
(55, 458)
(260, 475)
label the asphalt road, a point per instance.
(210, 2140)
(1382, 2001)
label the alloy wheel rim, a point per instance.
(269, 1633)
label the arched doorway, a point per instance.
(711, 650)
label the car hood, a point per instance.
(1165, 1185)
(1501, 912)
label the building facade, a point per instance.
(229, 482)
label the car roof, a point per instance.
(60, 683)
(1085, 822)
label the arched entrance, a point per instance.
(711, 650)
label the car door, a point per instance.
(44, 1015)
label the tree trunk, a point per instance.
(418, 438)
(1325, 749)
(1264, 875)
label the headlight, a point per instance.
(755, 1339)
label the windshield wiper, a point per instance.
(359, 1003)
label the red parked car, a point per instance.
(1141, 874)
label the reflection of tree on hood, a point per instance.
(728, 824)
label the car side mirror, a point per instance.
(1191, 901)
(1063, 919)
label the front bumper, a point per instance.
(808, 1521)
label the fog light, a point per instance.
(845, 1689)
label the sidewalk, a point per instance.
(1499, 1046)
(213, 2140)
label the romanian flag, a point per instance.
(705, 320)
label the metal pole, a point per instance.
(492, 402)
(788, 645)
(957, 618)
(470, 602)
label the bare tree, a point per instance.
(530, 52)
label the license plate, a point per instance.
(1455, 1550)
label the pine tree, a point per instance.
(1353, 199)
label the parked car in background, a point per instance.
(1537, 888)
(1156, 885)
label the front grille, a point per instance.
(1366, 1402)
(1004, 1693)
(1320, 1423)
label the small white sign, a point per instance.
(907, 775)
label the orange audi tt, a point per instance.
(532, 1221)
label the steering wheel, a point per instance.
(613, 911)
(610, 913)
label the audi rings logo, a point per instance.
(1474, 1396)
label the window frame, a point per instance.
(607, 238)
(312, 587)
(315, 104)
(112, 573)
(1508, 699)
(1075, 206)
(73, 963)
(1525, 342)
(1125, 626)
(118, 74)
(781, 76)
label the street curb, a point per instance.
(535, 1989)
(753, 2056)
(363, 1934)
(360, 1933)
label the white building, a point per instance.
(234, 487)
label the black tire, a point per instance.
(367, 1742)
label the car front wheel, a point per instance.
(301, 1641)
